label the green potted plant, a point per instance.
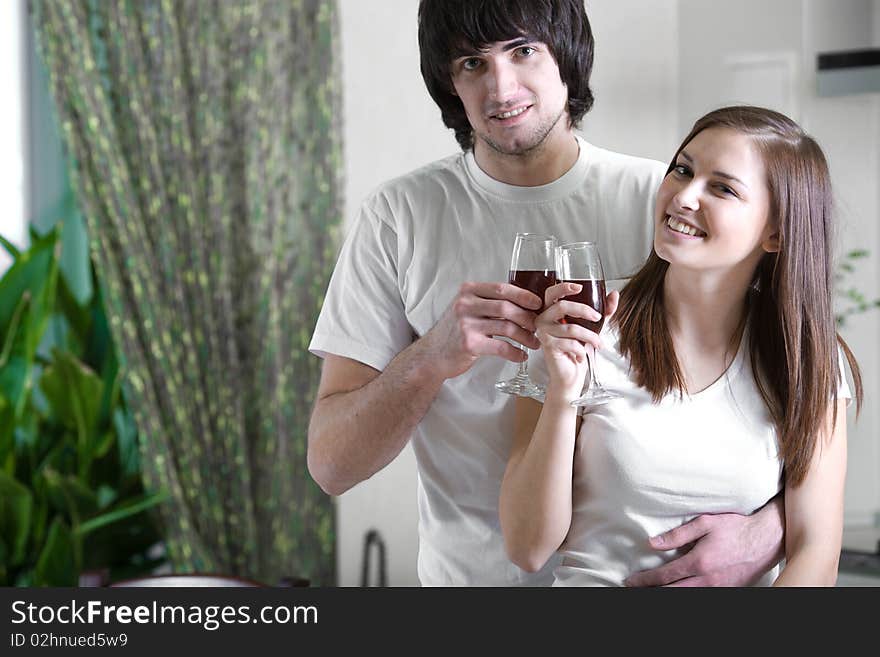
(71, 497)
(851, 301)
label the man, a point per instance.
(408, 336)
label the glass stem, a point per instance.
(594, 383)
(523, 371)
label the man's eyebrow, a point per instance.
(463, 51)
(517, 43)
(720, 174)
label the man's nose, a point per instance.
(502, 81)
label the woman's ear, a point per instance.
(771, 243)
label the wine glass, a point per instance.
(579, 263)
(533, 268)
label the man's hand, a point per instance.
(728, 550)
(478, 312)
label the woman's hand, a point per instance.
(565, 345)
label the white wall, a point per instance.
(635, 77)
(848, 128)
(659, 65)
(12, 126)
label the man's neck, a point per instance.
(540, 166)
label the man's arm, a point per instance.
(363, 418)
(728, 549)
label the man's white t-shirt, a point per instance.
(642, 468)
(415, 241)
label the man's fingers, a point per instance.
(690, 582)
(480, 308)
(492, 327)
(681, 535)
(487, 346)
(662, 575)
(503, 291)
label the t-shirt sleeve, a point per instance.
(363, 315)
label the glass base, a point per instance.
(521, 386)
(594, 397)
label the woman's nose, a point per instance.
(688, 197)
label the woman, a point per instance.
(725, 356)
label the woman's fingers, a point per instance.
(562, 309)
(611, 301)
(548, 332)
(574, 349)
(555, 292)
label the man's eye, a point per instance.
(470, 64)
(525, 51)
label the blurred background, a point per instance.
(153, 143)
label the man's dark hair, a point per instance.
(449, 29)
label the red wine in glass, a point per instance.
(592, 294)
(535, 281)
(532, 268)
(579, 262)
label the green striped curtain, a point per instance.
(205, 148)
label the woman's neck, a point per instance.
(704, 311)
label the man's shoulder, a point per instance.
(425, 183)
(624, 163)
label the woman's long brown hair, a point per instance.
(793, 341)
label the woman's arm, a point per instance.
(814, 513)
(535, 504)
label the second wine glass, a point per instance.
(579, 263)
(533, 268)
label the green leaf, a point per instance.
(15, 367)
(11, 249)
(69, 494)
(129, 508)
(106, 496)
(56, 565)
(78, 317)
(126, 438)
(12, 329)
(7, 435)
(34, 272)
(16, 504)
(75, 394)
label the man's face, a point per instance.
(512, 94)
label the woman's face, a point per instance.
(713, 208)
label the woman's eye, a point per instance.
(724, 189)
(525, 51)
(681, 170)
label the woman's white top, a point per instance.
(642, 468)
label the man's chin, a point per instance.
(513, 147)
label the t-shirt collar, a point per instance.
(559, 188)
